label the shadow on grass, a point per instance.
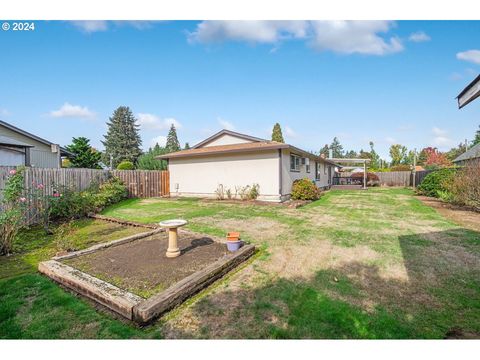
(434, 295)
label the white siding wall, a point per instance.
(200, 176)
(288, 176)
(226, 139)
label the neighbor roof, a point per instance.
(239, 148)
(472, 153)
(35, 137)
(5, 140)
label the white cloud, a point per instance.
(289, 132)
(345, 37)
(161, 140)
(153, 122)
(441, 138)
(4, 112)
(439, 132)
(226, 124)
(349, 37)
(91, 26)
(261, 31)
(470, 55)
(419, 36)
(72, 111)
(390, 140)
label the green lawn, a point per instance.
(354, 264)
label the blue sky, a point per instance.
(388, 82)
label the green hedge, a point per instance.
(436, 183)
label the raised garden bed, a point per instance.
(133, 277)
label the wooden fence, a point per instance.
(140, 183)
(398, 178)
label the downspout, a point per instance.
(280, 173)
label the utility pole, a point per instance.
(466, 144)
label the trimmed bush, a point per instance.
(125, 165)
(437, 183)
(305, 189)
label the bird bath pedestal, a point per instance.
(172, 226)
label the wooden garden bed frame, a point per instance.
(129, 305)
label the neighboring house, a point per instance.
(233, 160)
(469, 156)
(18, 147)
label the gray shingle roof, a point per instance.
(472, 153)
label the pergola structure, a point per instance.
(353, 162)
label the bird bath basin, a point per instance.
(172, 226)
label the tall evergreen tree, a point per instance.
(187, 146)
(337, 148)
(172, 140)
(122, 141)
(324, 151)
(83, 155)
(277, 133)
(476, 140)
(351, 154)
(148, 161)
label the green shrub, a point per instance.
(12, 210)
(110, 192)
(249, 192)
(68, 204)
(464, 188)
(125, 165)
(305, 189)
(436, 183)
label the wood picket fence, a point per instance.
(140, 183)
(397, 178)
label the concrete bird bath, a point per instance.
(172, 226)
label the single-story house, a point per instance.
(18, 147)
(233, 160)
(469, 156)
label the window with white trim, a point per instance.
(294, 162)
(317, 171)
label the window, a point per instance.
(294, 163)
(307, 168)
(324, 169)
(317, 171)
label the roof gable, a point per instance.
(227, 137)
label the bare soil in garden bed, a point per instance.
(461, 215)
(141, 266)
